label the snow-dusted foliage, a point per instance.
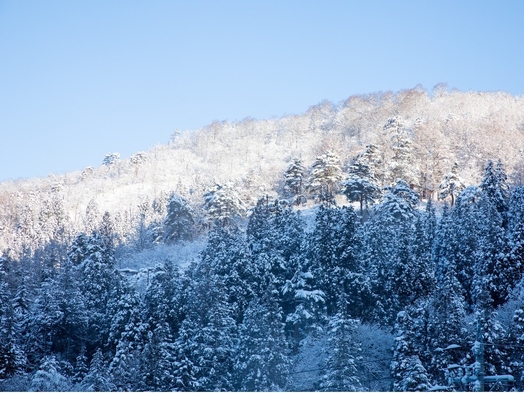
(223, 205)
(409, 374)
(48, 378)
(362, 185)
(263, 362)
(204, 264)
(180, 220)
(451, 185)
(401, 163)
(344, 351)
(294, 181)
(325, 176)
(111, 159)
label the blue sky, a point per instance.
(79, 79)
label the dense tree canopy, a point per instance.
(222, 273)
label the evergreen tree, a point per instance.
(402, 165)
(294, 181)
(381, 240)
(289, 226)
(516, 336)
(464, 236)
(446, 316)
(325, 176)
(260, 230)
(451, 185)
(111, 159)
(59, 319)
(333, 251)
(207, 339)
(98, 278)
(412, 274)
(227, 256)
(81, 368)
(12, 357)
(494, 185)
(342, 373)
(185, 369)
(164, 299)
(72, 327)
(274, 228)
(408, 371)
(49, 378)
(127, 337)
(97, 378)
(491, 254)
(515, 238)
(223, 205)
(180, 220)
(262, 363)
(157, 360)
(361, 185)
(304, 302)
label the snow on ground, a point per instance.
(140, 265)
(309, 365)
(182, 254)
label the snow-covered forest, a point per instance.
(374, 244)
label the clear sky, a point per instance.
(79, 79)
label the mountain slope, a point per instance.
(443, 128)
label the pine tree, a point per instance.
(408, 371)
(81, 367)
(274, 228)
(342, 373)
(412, 274)
(185, 369)
(289, 228)
(515, 238)
(451, 185)
(402, 165)
(12, 357)
(127, 337)
(494, 185)
(97, 378)
(74, 322)
(164, 299)
(464, 233)
(180, 220)
(49, 378)
(325, 176)
(223, 205)
(262, 363)
(303, 301)
(372, 160)
(361, 185)
(227, 256)
(381, 240)
(59, 320)
(516, 336)
(157, 360)
(331, 250)
(98, 277)
(207, 340)
(491, 254)
(92, 218)
(446, 316)
(111, 159)
(260, 232)
(294, 181)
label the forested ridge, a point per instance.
(376, 244)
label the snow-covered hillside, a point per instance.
(252, 155)
(376, 244)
